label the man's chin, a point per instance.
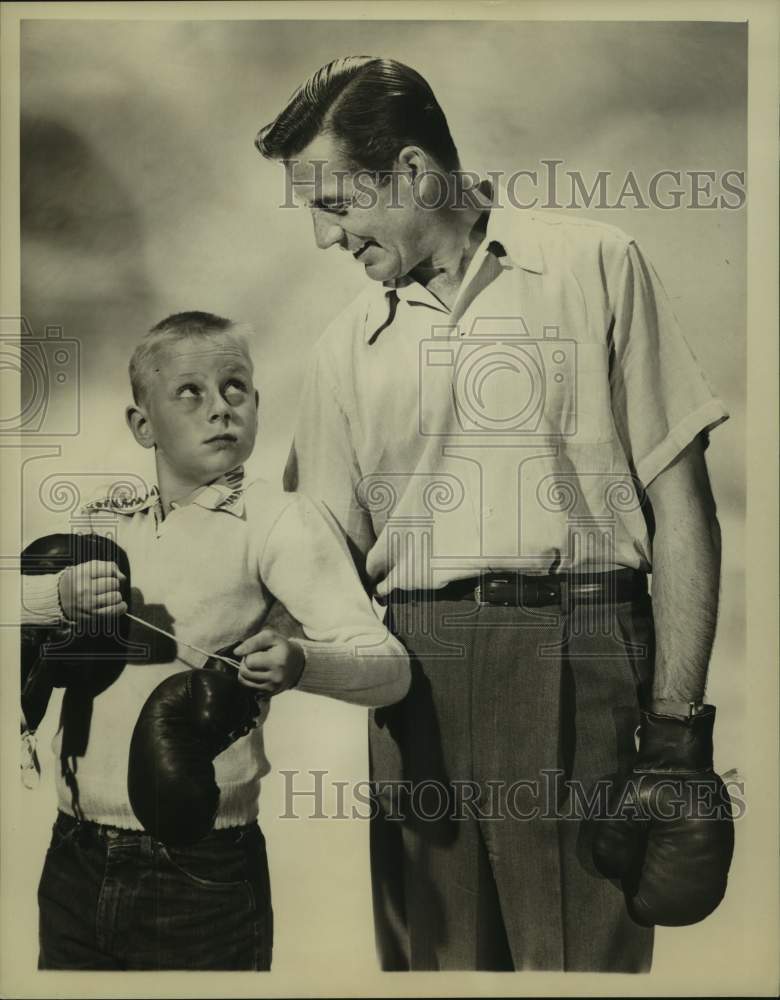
(381, 271)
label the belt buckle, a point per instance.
(478, 596)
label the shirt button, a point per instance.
(488, 511)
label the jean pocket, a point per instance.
(209, 867)
(61, 838)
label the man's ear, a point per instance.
(140, 426)
(424, 176)
(413, 162)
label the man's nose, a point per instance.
(326, 231)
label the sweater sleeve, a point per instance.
(41, 600)
(350, 655)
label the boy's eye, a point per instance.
(235, 388)
(187, 391)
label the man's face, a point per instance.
(381, 226)
(201, 407)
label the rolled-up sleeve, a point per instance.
(350, 655)
(661, 399)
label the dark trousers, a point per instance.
(480, 850)
(117, 899)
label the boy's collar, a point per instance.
(224, 493)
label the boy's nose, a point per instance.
(219, 407)
(326, 231)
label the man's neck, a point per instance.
(442, 273)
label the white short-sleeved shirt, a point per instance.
(516, 431)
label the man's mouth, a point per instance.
(359, 253)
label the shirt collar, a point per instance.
(515, 234)
(507, 236)
(225, 493)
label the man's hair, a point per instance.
(179, 326)
(372, 107)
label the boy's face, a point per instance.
(199, 408)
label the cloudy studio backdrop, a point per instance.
(142, 195)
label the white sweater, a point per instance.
(206, 573)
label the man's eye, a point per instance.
(188, 391)
(336, 207)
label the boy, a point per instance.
(207, 555)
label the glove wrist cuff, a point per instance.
(671, 743)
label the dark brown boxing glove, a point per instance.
(75, 654)
(187, 720)
(671, 839)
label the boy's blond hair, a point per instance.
(180, 326)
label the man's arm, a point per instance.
(686, 576)
(323, 463)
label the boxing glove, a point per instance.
(669, 834)
(77, 654)
(187, 720)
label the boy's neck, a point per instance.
(176, 489)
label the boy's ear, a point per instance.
(139, 424)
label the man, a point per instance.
(510, 429)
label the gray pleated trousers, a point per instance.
(480, 848)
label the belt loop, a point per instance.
(478, 598)
(564, 594)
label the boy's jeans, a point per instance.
(117, 899)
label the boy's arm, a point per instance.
(59, 597)
(40, 600)
(349, 653)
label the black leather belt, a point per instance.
(522, 590)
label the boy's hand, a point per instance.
(91, 589)
(270, 663)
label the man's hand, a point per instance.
(91, 589)
(270, 663)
